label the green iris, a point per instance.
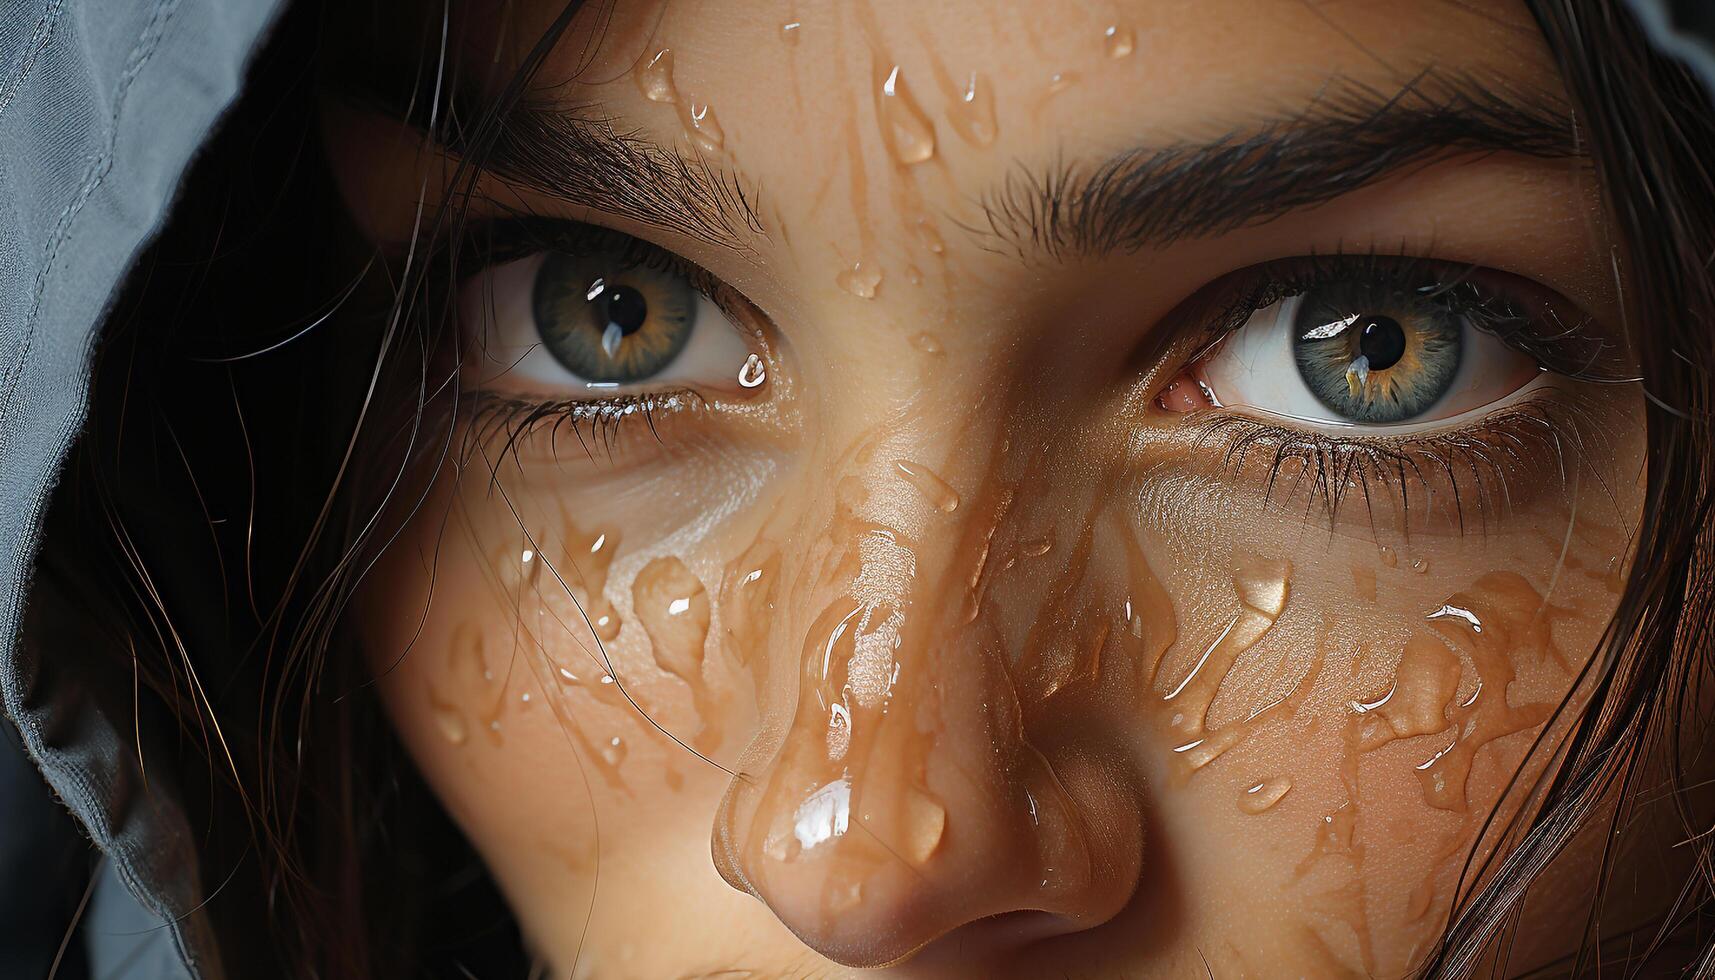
(609, 322)
(1376, 356)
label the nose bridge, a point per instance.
(904, 798)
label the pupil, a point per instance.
(1382, 341)
(625, 308)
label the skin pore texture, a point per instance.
(939, 619)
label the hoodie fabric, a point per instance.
(103, 103)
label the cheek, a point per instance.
(875, 680)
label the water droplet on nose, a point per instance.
(926, 343)
(934, 489)
(1119, 40)
(753, 373)
(904, 127)
(655, 79)
(1264, 795)
(925, 824)
(861, 280)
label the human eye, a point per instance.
(1397, 372)
(581, 325)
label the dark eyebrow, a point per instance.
(1350, 136)
(572, 155)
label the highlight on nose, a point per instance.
(906, 798)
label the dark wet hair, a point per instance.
(212, 521)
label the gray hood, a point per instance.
(102, 105)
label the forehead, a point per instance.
(1075, 68)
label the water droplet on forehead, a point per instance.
(1119, 41)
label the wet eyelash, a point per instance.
(1575, 350)
(1470, 468)
(1470, 473)
(597, 424)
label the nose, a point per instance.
(909, 791)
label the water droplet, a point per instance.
(1036, 547)
(606, 626)
(673, 608)
(906, 130)
(702, 127)
(1420, 565)
(929, 237)
(925, 824)
(1389, 557)
(655, 79)
(926, 343)
(913, 275)
(860, 280)
(1263, 585)
(934, 489)
(590, 555)
(972, 114)
(1264, 795)
(1119, 41)
(613, 751)
(789, 31)
(449, 721)
(1060, 81)
(753, 373)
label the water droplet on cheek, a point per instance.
(613, 751)
(1264, 795)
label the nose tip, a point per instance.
(905, 801)
(869, 859)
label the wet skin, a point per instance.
(959, 599)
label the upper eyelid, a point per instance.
(1258, 286)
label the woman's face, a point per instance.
(984, 488)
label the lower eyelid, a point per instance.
(1454, 484)
(1536, 387)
